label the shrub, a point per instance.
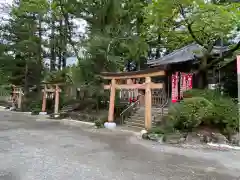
(205, 93)
(99, 123)
(156, 130)
(205, 107)
(224, 116)
(189, 113)
(35, 106)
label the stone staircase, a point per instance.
(137, 120)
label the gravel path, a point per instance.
(34, 150)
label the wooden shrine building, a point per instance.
(158, 78)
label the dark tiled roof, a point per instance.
(186, 53)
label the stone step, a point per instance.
(139, 120)
(135, 124)
(136, 128)
(138, 115)
(143, 114)
(132, 128)
(153, 110)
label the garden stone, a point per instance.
(155, 137)
(235, 140)
(12, 108)
(174, 138)
(143, 132)
(204, 138)
(193, 138)
(145, 136)
(219, 138)
(182, 140)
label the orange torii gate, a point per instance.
(17, 95)
(54, 90)
(147, 86)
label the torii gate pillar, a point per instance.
(148, 104)
(112, 101)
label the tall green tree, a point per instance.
(23, 38)
(203, 22)
(114, 33)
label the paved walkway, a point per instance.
(33, 150)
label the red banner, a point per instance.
(183, 85)
(238, 64)
(186, 83)
(175, 87)
(189, 81)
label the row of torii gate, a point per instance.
(50, 91)
(118, 81)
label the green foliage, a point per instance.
(156, 130)
(205, 107)
(99, 123)
(205, 93)
(189, 113)
(224, 115)
(201, 20)
(35, 106)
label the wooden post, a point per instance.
(56, 105)
(112, 101)
(238, 79)
(44, 99)
(13, 96)
(148, 104)
(19, 98)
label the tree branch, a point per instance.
(69, 34)
(189, 27)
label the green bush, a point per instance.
(156, 130)
(205, 93)
(35, 106)
(189, 113)
(205, 107)
(99, 123)
(224, 116)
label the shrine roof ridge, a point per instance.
(150, 72)
(190, 52)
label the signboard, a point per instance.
(183, 85)
(175, 87)
(189, 81)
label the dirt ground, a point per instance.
(39, 150)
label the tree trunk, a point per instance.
(64, 61)
(60, 46)
(53, 53)
(202, 74)
(40, 60)
(202, 79)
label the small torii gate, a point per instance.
(54, 90)
(147, 86)
(17, 95)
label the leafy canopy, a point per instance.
(182, 21)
